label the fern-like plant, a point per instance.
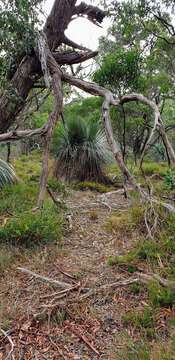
(82, 151)
(7, 174)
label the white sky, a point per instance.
(81, 30)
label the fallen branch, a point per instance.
(106, 287)
(45, 278)
(59, 295)
(8, 357)
(139, 277)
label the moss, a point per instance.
(93, 186)
(122, 259)
(93, 215)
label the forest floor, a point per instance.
(46, 323)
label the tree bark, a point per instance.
(14, 97)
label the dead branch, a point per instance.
(93, 13)
(109, 99)
(55, 72)
(45, 278)
(108, 287)
(139, 277)
(58, 296)
(8, 357)
(83, 338)
(55, 199)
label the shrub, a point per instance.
(160, 296)
(31, 229)
(169, 179)
(7, 174)
(82, 151)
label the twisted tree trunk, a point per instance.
(44, 62)
(29, 71)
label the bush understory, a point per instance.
(148, 256)
(20, 227)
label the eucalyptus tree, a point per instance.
(38, 61)
(138, 55)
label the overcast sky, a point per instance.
(81, 30)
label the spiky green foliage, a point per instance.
(7, 174)
(82, 151)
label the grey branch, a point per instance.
(45, 278)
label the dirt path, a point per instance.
(49, 328)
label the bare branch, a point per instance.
(71, 43)
(8, 357)
(93, 13)
(45, 278)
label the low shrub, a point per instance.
(169, 179)
(18, 198)
(30, 229)
(160, 296)
(122, 259)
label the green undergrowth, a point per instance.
(144, 349)
(128, 221)
(32, 228)
(28, 167)
(58, 186)
(153, 168)
(141, 320)
(153, 256)
(19, 225)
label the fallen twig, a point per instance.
(45, 278)
(66, 274)
(124, 282)
(84, 338)
(8, 357)
(62, 294)
(139, 277)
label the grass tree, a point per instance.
(82, 151)
(7, 174)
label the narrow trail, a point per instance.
(69, 325)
